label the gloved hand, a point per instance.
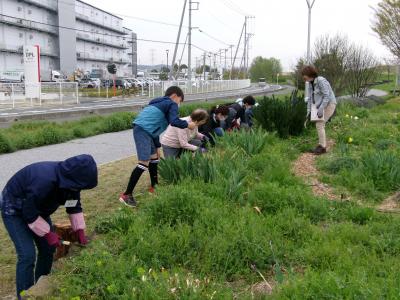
(81, 237)
(52, 239)
(205, 139)
(320, 112)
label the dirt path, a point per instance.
(391, 204)
(305, 167)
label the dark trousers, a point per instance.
(29, 267)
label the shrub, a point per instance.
(250, 142)
(337, 164)
(50, 135)
(383, 169)
(5, 144)
(286, 117)
(116, 123)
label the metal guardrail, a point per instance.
(198, 86)
(14, 95)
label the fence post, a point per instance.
(12, 95)
(77, 92)
(40, 94)
(107, 90)
(61, 100)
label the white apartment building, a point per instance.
(82, 37)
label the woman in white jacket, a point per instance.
(176, 140)
(321, 94)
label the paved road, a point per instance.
(8, 114)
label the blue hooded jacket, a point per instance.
(156, 117)
(40, 188)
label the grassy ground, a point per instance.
(103, 92)
(230, 216)
(27, 135)
(233, 216)
(366, 159)
(388, 87)
(101, 201)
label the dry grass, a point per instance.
(113, 178)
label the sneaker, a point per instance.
(128, 200)
(319, 150)
(152, 190)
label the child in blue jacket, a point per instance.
(147, 127)
(26, 203)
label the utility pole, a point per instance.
(167, 51)
(134, 55)
(204, 66)
(231, 46)
(226, 50)
(209, 56)
(190, 37)
(237, 49)
(245, 43)
(215, 65)
(152, 56)
(177, 40)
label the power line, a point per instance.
(76, 4)
(233, 7)
(214, 38)
(98, 33)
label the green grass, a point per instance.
(27, 135)
(89, 92)
(387, 87)
(369, 166)
(194, 240)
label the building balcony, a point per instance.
(100, 41)
(49, 5)
(90, 57)
(19, 50)
(29, 25)
(87, 19)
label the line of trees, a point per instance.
(267, 68)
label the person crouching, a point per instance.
(176, 140)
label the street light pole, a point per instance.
(310, 6)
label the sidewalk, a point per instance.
(104, 148)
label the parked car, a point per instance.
(87, 83)
(119, 83)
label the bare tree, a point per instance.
(329, 58)
(361, 70)
(387, 25)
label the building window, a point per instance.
(106, 50)
(31, 37)
(29, 12)
(21, 35)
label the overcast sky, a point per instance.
(280, 26)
